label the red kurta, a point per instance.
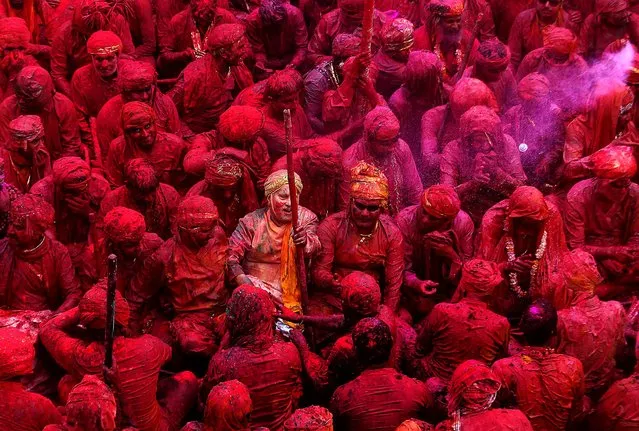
(618, 408)
(21, 410)
(591, 46)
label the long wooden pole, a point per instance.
(109, 328)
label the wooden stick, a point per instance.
(109, 328)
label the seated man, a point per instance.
(137, 361)
(143, 192)
(465, 329)
(438, 239)
(382, 148)
(361, 238)
(601, 217)
(26, 159)
(278, 37)
(14, 42)
(38, 271)
(228, 408)
(142, 139)
(264, 244)
(390, 60)
(138, 82)
(609, 22)
(277, 388)
(35, 95)
(356, 405)
(483, 164)
(546, 386)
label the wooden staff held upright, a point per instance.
(109, 328)
(367, 32)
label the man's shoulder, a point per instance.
(525, 16)
(181, 17)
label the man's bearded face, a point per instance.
(22, 150)
(382, 149)
(144, 95)
(23, 234)
(12, 58)
(144, 135)
(451, 25)
(365, 213)
(105, 64)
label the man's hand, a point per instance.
(520, 265)
(287, 314)
(300, 236)
(427, 287)
(79, 204)
(242, 279)
(297, 338)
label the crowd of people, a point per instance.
(348, 215)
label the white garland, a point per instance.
(512, 276)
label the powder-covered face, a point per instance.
(23, 234)
(105, 64)
(365, 213)
(280, 205)
(142, 135)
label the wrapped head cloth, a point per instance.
(14, 33)
(228, 407)
(104, 42)
(92, 307)
(614, 162)
(92, 398)
(441, 201)
(197, 211)
(279, 179)
(124, 225)
(368, 182)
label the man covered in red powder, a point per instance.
(142, 139)
(440, 125)
(137, 362)
(14, 43)
(228, 408)
(270, 367)
(610, 21)
(438, 238)
(361, 238)
(143, 192)
(382, 147)
(548, 387)
(483, 165)
(138, 82)
(347, 18)
(390, 60)
(26, 159)
(472, 391)
(527, 31)
(278, 37)
(38, 270)
(318, 162)
(207, 86)
(69, 50)
(35, 95)
(380, 398)
(189, 34)
(229, 184)
(465, 329)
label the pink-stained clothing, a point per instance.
(504, 89)
(274, 132)
(21, 410)
(618, 408)
(491, 420)
(592, 47)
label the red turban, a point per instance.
(136, 75)
(415, 425)
(313, 418)
(527, 202)
(92, 398)
(33, 83)
(124, 225)
(240, 124)
(633, 73)
(533, 86)
(92, 15)
(26, 128)
(479, 278)
(397, 35)
(560, 40)
(141, 175)
(442, 8)
(17, 353)
(581, 275)
(104, 42)
(469, 92)
(480, 119)
(441, 201)
(381, 124)
(14, 32)
(326, 154)
(92, 307)
(346, 45)
(137, 114)
(368, 182)
(197, 211)
(71, 172)
(36, 211)
(223, 170)
(225, 36)
(228, 407)
(493, 55)
(610, 6)
(614, 162)
(283, 83)
(361, 293)
(249, 316)
(472, 376)
(423, 72)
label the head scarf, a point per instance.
(446, 8)
(465, 376)
(614, 162)
(381, 124)
(33, 83)
(581, 276)
(480, 119)
(441, 201)
(493, 55)
(38, 213)
(533, 86)
(423, 74)
(224, 37)
(14, 32)
(71, 173)
(560, 40)
(397, 35)
(141, 175)
(313, 418)
(92, 307)
(17, 353)
(137, 114)
(283, 83)
(527, 202)
(228, 407)
(92, 395)
(361, 294)
(414, 425)
(326, 154)
(104, 42)
(279, 179)
(137, 75)
(479, 278)
(197, 211)
(249, 317)
(240, 124)
(345, 45)
(610, 6)
(368, 182)
(124, 225)
(469, 92)
(26, 128)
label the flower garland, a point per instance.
(512, 276)
(440, 55)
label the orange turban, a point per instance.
(441, 201)
(222, 170)
(446, 7)
(240, 124)
(104, 42)
(124, 225)
(368, 182)
(473, 375)
(480, 119)
(527, 202)
(92, 307)
(614, 162)
(493, 55)
(397, 35)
